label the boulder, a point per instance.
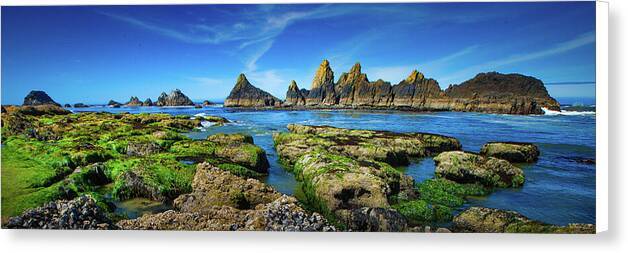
(37, 97)
(175, 98)
(79, 213)
(368, 219)
(215, 187)
(244, 94)
(67, 105)
(221, 201)
(516, 152)
(226, 139)
(466, 167)
(335, 182)
(134, 101)
(489, 220)
(207, 103)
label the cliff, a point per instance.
(244, 94)
(501, 93)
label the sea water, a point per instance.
(559, 188)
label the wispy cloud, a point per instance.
(581, 40)
(397, 73)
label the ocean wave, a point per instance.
(549, 112)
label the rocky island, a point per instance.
(487, 92)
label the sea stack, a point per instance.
(148, 102)
(501, 93)
(294, 96)
(322, 91)
(134, 101)
(244, 94)
(37, 97)
(175, 98)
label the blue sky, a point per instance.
(95, 53)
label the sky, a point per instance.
(91, 54)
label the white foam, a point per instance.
(549, 112)
(207, 123)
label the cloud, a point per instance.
(397, 73)
(270, 81)
(206, 81)
(581, 40)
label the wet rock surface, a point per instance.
(79, 213)
(466, 167)
(389, 147)
(516, 152)
(368, 219)
(221, 201)
(489, 220)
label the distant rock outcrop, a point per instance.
(148, 102)
(501, 93)
(37, 97)
(244, 94)
(487, 92)
(80, 105)
(175, 98)
(134, 101)
(113, 104)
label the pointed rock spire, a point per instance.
(244, 94)
(415, 76)
(324, 75)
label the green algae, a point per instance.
(49, 157)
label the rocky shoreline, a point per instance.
(347, 177)
(487, 92)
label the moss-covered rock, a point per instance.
(489, 220)
(466, 167)
(48, 156)
(383, 146)
(221, 201)
(516, 152)
(216, 187)
(336, 182)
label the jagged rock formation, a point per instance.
(244, 94)
(487, 92)
(134, 101)
(37, 97)
(148, 102)
(175, 98)
(294, 96)
(322, 91)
